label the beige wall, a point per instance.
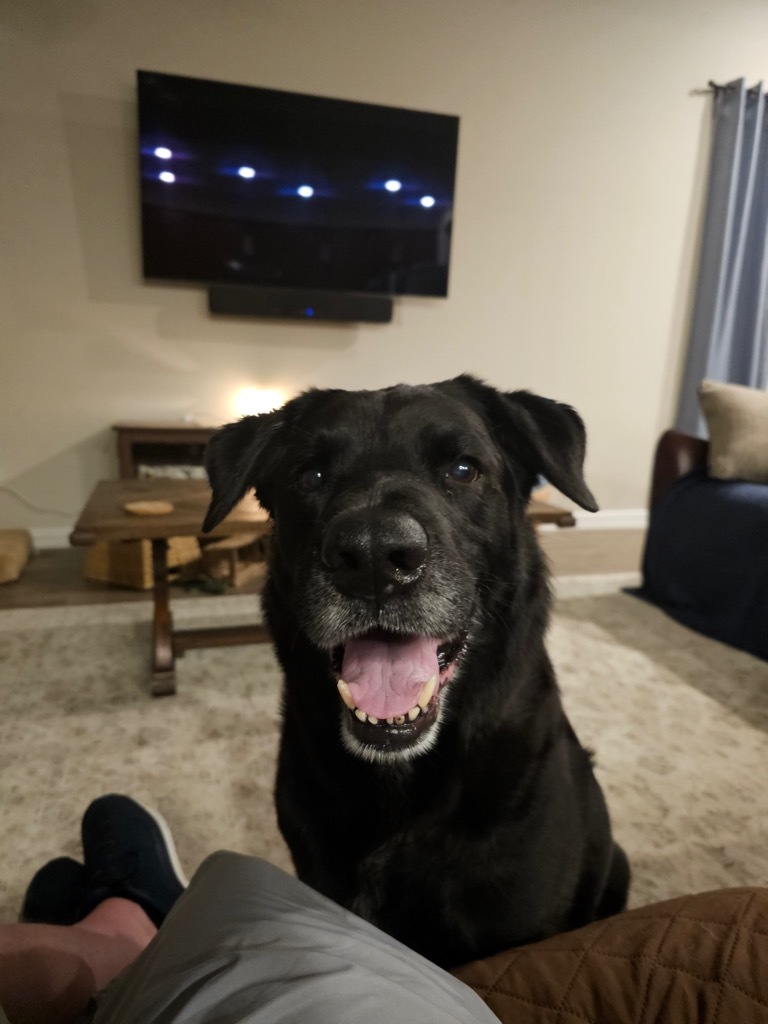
(581, 161)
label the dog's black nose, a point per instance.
(373, 556)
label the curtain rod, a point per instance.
(714, 87)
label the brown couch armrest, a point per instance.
(676, 455)
(711, 966)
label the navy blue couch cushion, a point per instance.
(706, 559)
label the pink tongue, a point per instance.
(386, 675)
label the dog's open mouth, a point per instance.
(391, 685)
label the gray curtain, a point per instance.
(730, 315)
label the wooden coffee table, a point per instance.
(542, 513)
(104, 519)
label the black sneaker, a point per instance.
(129, 852)
(56, 894)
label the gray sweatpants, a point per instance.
(249, 944)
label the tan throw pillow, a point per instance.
(737, 418)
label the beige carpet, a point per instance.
(680, 725)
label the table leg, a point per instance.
(163, 668)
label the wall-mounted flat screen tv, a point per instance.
(252, 186)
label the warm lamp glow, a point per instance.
(251, 401)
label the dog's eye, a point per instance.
(311, 479)
(464, 471)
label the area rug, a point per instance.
(679, 724)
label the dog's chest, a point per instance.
(406, 861)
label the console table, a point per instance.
(104, 519)
(184, 444)
(160, 444)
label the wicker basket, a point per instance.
(15, 550)
(129, 563)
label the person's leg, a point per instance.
(49, 973)
(90, 920)
(249, 943)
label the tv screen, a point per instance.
(253, 186)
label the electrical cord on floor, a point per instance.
(30, 504)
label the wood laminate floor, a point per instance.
(55, 577)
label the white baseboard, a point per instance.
(44, 538)
(609, 519)
(613, 519)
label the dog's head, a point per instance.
(398, 514)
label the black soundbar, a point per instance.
(298, 303)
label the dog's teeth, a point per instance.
(424, 698)
(426, 694)
(345, 695)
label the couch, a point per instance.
(706, 553)
(699, 959)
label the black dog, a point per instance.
(428, 777)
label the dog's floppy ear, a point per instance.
(547, 437)
(551, 439)
(236, 459)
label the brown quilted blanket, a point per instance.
(695, 960)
